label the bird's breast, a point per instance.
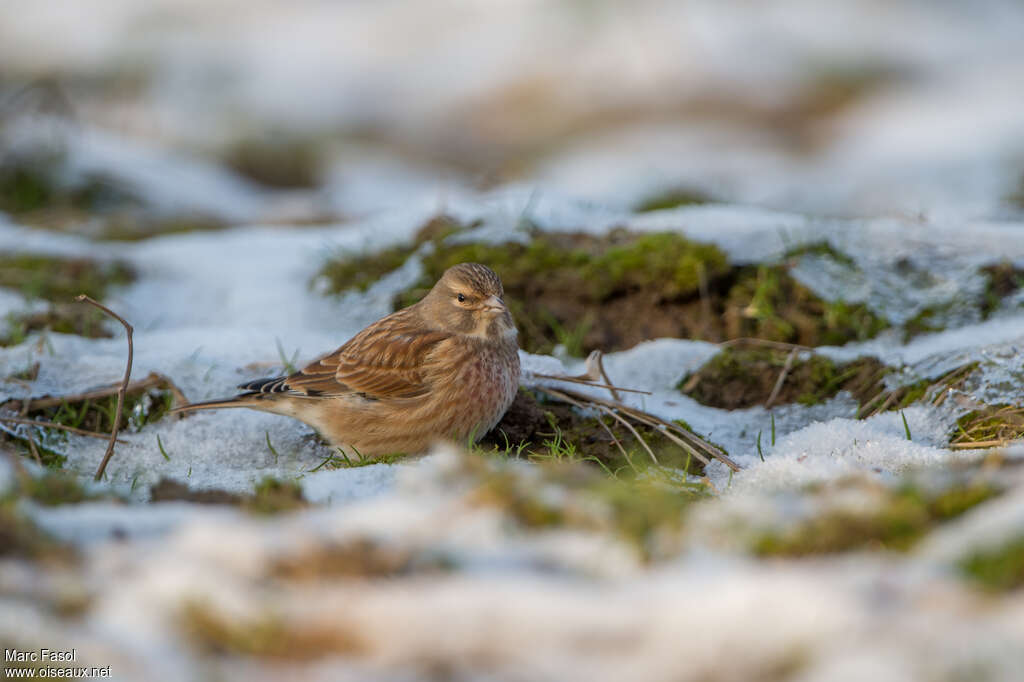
(489, 380)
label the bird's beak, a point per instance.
(493, 304)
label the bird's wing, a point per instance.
(392, 358)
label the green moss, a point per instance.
(927, 321)
(358, 273)
(568, 494)
(277, 161)
(46, 450)
(68, 318)
(642, 510)
(346, 272)
(140, 408)
(1002, 280)
(897, 523)
(822, 249)
(557, 284)
(998, 569)
(910, 393)
(61, 279)
(666, 262)
(672, 198)
(270, 496)
(33, 185)
(956, 500)
(613, 291)
(273, 496)
(736, 378)
(24, 189)
(358, 558)
(265, 636)
(21, 537)
(55, 488)
(598, 269)
(767, 303)
(506, 489)
(137, 225)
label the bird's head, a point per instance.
(469, 299)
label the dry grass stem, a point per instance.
(752, 341)
(610, 433)
(54, 425)
(981, 444)
(598, 359)
(154, 380)
(689, 441)
(782, 379)
(588, 382)
(611, 413)
(124, 383)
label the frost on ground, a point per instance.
(533, 575)
(865, 536)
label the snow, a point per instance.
(210, 309)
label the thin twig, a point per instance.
(674, 438)
(587, 382)
(966, 445)
(124, 383)
(35, 451)
(781, 380)
(753, 341)
(154, 380)
(31, 443)
(55, 425)
(885, 406)
(864, 411)
(599, 360)
(636, 434)
(613, 415)
(696, 441)
(611, 434)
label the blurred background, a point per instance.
(120, 118)
(865, 164)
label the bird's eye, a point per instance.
(462, 298)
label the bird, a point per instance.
(444, 368)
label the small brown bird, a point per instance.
(444, 368)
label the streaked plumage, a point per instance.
(444, 368)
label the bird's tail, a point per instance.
(244, 400)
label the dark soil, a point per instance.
(614, 291)
(270, 496)
(737, 378)
(140, 408)
(1003, 279)
(169, 490)
(537, 425)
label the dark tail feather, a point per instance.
(244, 400)
(268, 385)
(257, 391)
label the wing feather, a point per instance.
(392, 358)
